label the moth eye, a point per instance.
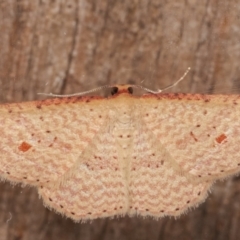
(114, 90)
(130, 90)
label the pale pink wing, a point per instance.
(41, 140)
(95, 186)
(157, 185)
(201, 133)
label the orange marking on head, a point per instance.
(24, 147)
(221, 138)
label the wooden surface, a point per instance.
(75, 45)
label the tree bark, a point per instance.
(75, 45)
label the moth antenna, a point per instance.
(161, 90)
(75, 94)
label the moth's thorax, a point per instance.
(122, 115)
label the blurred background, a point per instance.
(71, 46)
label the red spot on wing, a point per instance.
(221, 138)
(24, 147)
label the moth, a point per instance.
(93, 157)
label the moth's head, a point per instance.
(121, 89)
